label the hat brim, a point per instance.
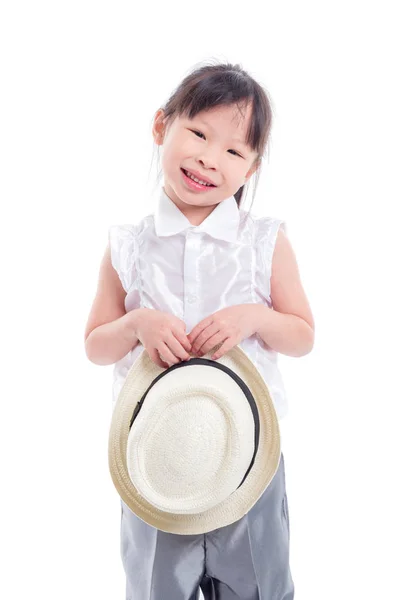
(266, 463)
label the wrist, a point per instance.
(135, 316)
(260, 314)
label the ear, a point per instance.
(159, 127)
(252, 169)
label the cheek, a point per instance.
(169, 156)
(177, 145)
(236, 174)
(243, 170)
(186, 146)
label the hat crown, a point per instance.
(192, 441)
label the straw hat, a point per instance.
(193, 447)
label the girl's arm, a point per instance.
(110, 330)
(289, 327)
(109, 342)
(287, 334)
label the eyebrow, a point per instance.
(233, 139)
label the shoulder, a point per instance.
(121, 231)
(262, 227)
(121, 240)
(283, 257)
(287, 292)
(130, 230)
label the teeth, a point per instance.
(197, 180)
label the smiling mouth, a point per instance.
(188, 173)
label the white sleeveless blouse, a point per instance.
(166, 263)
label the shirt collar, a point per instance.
(222, 223)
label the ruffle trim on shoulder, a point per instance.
(123, 253)
(267, 233)
(265, 238)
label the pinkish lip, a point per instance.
(200, 176)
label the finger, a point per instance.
(183, 339)
(202, 339)
(176, 347)
(227, 345)
(167, 354)
(155, 357)
(216, 339)
(199, 328)
(194, 333)
(166, 365)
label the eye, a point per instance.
(237, 153)
(199, 132)
(196, 132)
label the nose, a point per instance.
(208, 162)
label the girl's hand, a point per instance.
(230, 325)
(163, 335)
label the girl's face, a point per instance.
(211, 144)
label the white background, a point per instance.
(80, 83)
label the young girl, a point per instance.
(198, 272)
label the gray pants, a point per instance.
(247, 560)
